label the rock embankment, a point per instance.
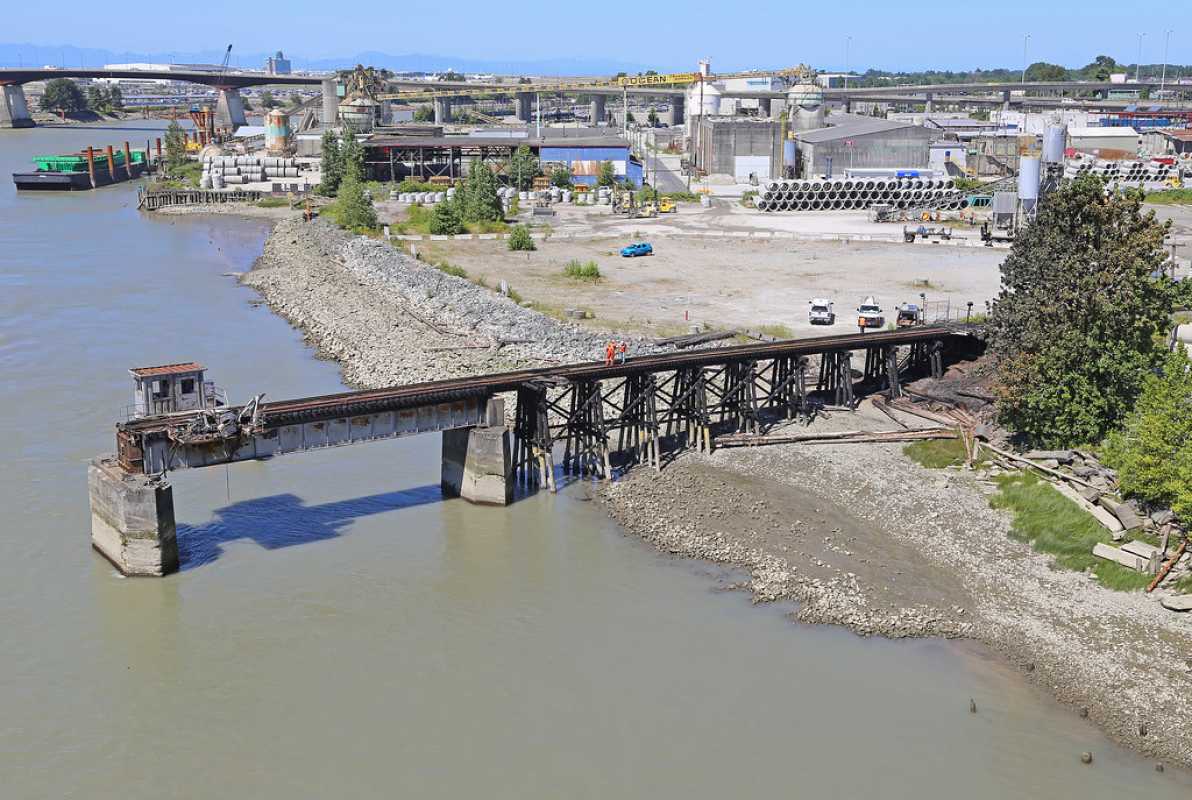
(388, 318)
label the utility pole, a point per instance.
(538, 98)
(1138, 66)
(1025, 40)
(625, 110)
(848, 40)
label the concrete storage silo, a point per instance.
(277, 132)
(1028, 182)
(1055, 140)
(805, 100)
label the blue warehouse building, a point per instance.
(583, 159)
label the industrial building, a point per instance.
(1099, 140)
(395, 157)
(277, 64)
(739, 146)
(862, 143)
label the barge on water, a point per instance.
(87, 169)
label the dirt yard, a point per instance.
(730, 282)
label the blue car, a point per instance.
(635, 250)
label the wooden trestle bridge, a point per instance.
(638, 408)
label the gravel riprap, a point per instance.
(388, 318)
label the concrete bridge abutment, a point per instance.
(132, 519)
(525, 107)
(14, 110)
(478, 462)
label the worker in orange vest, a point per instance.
(610, 352)
(622, 350)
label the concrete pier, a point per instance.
(674, 115)
(477, 462)
(229, 109)
(14, 111)
(442, 107)
(330, 102)
(597, 112)
(525, 106)
(132, 519)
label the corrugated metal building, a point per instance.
(1094, 140)
(863, 144)
(584, 160)
(739, 147)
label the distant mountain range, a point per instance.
(17, 55)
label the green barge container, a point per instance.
(71, 172)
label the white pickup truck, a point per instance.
(820, 312)
(869, 314)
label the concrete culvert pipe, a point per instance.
(848, 185)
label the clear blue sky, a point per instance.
(764, 33)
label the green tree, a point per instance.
(331, 165)
(175, 145)
(445, 219)
(520, 239)
(607, 175)
(295, 99)
(267, 101)
(561, 178)
(115, 99)
(353, 209)
(1153, 451)
(98, 99)
(64, 95)
(1042, 71)
(523, 167)
(1101, 68)
(424, 114)
(652, 118)
(1075, 326)
(481, 202)
(352, 154)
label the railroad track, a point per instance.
(309, 409)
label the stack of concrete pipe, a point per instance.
(1132, 173)
(837, 194)
(232, 170)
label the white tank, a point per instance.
(1055, 139)
(705, 104)
(1028, 181)
(806, 101)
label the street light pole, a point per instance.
(1025, 39)
(1138, 66)
(1163, 76)
(848, 40)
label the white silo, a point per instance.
(806, 102)
(1028, 182)
(1055, 140)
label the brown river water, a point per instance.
(338, 630)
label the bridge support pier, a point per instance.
(674, 115)
(14, 111)
(763, 107)
(229, 109)
(132, 519)
(442, 110)
(330, 102)
(525, 107)
(597, 112)
(477, 462)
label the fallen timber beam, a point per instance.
(1166, 568)
(834, 437)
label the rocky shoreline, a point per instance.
(857, 536)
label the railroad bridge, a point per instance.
(595, 416)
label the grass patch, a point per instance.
(1184, 585)
(273, 202)
(1170, 197)
(682, 197)
(1053, 524)
(777, 331)
(936, 453)
(453, 270)
(582, 271)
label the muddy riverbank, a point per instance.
(862, 537)
(857, 536)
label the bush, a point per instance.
(520, 239)
(411, 185)
(452, 269)
(1153, 451)
(352, 210)
(445, 220)
(586, 271)
(561, 178)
